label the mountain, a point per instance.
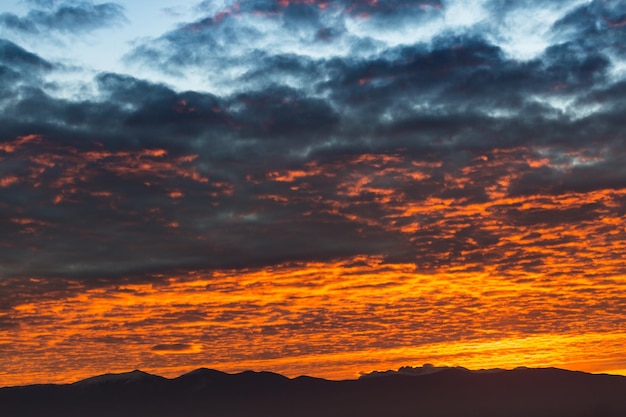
(134, 377)
(415, 392)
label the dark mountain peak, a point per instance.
(263, 380)
(262, 375)
(308, 378)
(217, 381)
(201, 379)
(425, 369)
(213, 374)
(134, 377)
(428, 369)
(202, 372)
(434, 391)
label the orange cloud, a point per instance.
(326, 319)
(176, 348)
(493, 275)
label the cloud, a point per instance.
(175, 348)
(44, 4)
(16, 57)
(7, 323)
(339, 181)
(65, 17)
(302, 315)
(425, 369)
(20, 70)
(330, 151)
(310, 157)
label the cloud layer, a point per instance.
(329, 132)
(70, 17)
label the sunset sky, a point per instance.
(320, 187)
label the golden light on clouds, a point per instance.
(324, 319)
(480, 270)
(311, 187)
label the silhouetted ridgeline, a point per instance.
(453, 392)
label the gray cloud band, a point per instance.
(305, 157)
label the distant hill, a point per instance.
(415, 392)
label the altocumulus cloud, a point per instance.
(174, 348)
(65, 17)
(324, 130)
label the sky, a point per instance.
(320, 187)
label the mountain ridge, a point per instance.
(534, 392)
(426, 369)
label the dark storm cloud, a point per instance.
(284, 113)
(19, 59)
(153, 106)
(19, 70)
(455, 72)
(276, 69)
(66, 17)
(460, 74)
(174, 347)
(146, 180)
(7, 323)
(598, 22)
(306, 157)
(226, 35)
(607, 175)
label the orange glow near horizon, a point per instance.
(330, 320)
(311, 187)
(478, 267)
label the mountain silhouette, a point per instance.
(415, 392)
